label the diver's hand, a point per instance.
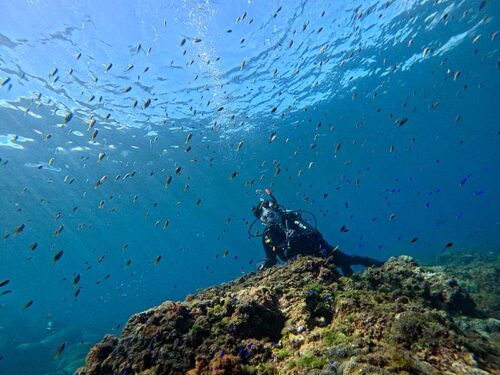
(265, 264)
(261, 266)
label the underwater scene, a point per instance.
(250, 187)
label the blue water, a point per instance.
(341, 75)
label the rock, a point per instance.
(304, 317)
(478, 273)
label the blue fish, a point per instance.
(464, 180)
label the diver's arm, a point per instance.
(273, 198)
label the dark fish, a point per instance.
(76, 279)
(6, 292)
(146, 103)
(58, 231)
(337, 147)
(94, 134)
(448, 245)
(58, 255)
(68, 117)
(59, 350)
(414, 239)
(344, 229)
(19, 229)
(28, 304)
(401, 122)
(4, 282)
(4, 81)
(157, 260)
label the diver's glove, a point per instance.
(261, 266)
(264, 264)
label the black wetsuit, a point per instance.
(305, 240)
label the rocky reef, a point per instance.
(478, 272)
(305, 318)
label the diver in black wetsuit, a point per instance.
(287, 235)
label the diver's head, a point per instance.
(267, 212)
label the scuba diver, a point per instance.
(287, 235)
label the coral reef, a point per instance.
(304, 317)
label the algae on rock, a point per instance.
(304, 317)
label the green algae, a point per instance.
(311, 361)
(331, 337)
(282, 353)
